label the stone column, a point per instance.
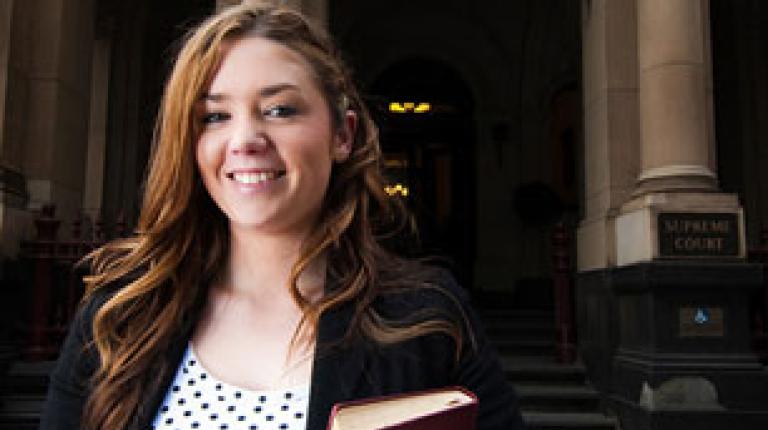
(46, 72)
(97, 134)
(56, 122)
(610, 125)
(672, 45)
(12, 186)
(611, 155)
(6, 12)
(676, 138)
(663, 291)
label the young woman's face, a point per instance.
(267, 142)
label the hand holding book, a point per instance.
(450, 408)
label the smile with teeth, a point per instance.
(250, 178)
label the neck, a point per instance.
(261, 264)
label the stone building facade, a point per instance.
(640, 124)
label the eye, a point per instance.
(214, 117)
(280, 111)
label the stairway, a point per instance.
(22, 391)
(552, 396)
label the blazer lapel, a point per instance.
(338, 372)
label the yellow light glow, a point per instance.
(396, 107)
(396, 190)
(422, 108)
(406, 107)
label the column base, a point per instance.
(634, 417)
(676, 178)
(667, 343)
(680, 225)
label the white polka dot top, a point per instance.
(197, 400)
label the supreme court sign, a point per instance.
(698, 234)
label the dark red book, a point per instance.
(450, 408)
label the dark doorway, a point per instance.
(424, 111)
(144, 37)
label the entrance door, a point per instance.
(424, 112)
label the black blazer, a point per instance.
(340, 372)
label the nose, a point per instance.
(248, 137)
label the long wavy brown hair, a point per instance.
(182, 238)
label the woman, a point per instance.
(254, 293)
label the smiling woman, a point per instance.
(267, 141)
(255, 293)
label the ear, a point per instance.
(345, 136)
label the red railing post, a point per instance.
(98, 232)
(75, 250)
(56, 284)
(42, 254)
(121, 227)
(760, 316)
(562, 280)
(764, 246)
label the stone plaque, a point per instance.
(698, 234)
(701, 321)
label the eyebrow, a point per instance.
(267, 91)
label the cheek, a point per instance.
(319, 163)
(206, 157)
(307, 148)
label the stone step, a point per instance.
(524, 347)
(537, 420)
(27, 378)
(558, 398)
(12, 423)
(518, 326)
(513, 321)
(500, 334)
(542, 370)
(21, 412)
(8, 355)
(553, 396)
(492, 315)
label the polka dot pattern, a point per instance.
(197, 400)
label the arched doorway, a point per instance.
(425, 113)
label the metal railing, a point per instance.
(55, 283)
(562, 280)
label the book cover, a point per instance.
(450, 408)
